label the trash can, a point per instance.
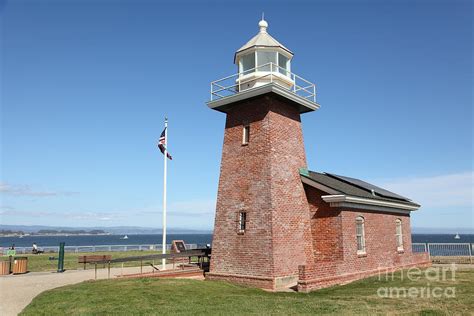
(4, 267)
(20, 265)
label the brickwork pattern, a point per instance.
(262, 179)
(326, 227)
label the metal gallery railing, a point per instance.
(419, 247)
(270, 73)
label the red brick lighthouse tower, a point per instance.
(262, 223)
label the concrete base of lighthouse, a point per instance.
(267, 283)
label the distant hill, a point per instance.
(117, 230)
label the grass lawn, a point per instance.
(180, 296)
(41, 262)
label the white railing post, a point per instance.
(429, 251)
(271, 72)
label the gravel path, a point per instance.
(17, 291)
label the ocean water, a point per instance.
(442, 238)
(200, 239)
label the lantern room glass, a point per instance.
(284, 65)
(260, 61)
(264, 58)
(247, 63)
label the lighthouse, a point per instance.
(278, 224)
(262, 221)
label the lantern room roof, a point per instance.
(262, 39)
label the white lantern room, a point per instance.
(264, 66)
(263, 60)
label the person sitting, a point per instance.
(35, 249)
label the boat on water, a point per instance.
(125, 237)
(457, 236)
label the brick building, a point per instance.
(278, 224)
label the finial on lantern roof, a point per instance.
(263, 24)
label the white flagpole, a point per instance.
(164, 193)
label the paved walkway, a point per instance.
(17, 291)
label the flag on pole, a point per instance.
(161, 144)
(163, 141)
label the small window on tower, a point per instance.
(246, 135)
(242, 222)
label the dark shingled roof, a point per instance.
(356, 187)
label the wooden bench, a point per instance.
(93, 259)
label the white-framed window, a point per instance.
(360, 235)
(399, 234)
(242, 222)
(247, 63)
(245, 134)
(284, 64)
(265, 57)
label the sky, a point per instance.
(85, 86)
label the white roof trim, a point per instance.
(345, 199)
(369, 207)
(270, 87)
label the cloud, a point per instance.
(100, 216)
(451, 190)
(26, 190)
(192, 210)
(4, 208)
(74, 215)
